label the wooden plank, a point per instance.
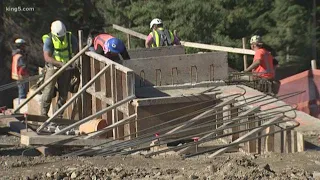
(289, 140)
(190, 44)
(38, 118)
(113, 96)
(107, 61)
(234, 113)
(80, 100)
(93, 73)
(109, 101)
(128, 41)
(270, 139)
(252, 145)
(300, 142)
(97, 85)
(129, 31)
(85, 78)
(259, 139)
(244, 137)
(30, 139)
(295, 141)
(282, 141)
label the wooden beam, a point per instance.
(129, 31)
(107, 61)
(218, 48)
(246, 136)
(39, 118)
(100, 95)
(190, 44)
(270, 139)
(30, 139)
(252, 145)
(85, 78)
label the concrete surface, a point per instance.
(176, 69)
(155, 52)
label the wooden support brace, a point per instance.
(270, 139)
(252, 145)
(244, 137)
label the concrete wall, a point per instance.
(176, 69)
(155, 52)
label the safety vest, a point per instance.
(266, 71)
(14, 67)
(162, 37)
(100, 40)
(62, 49)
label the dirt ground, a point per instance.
(13, 165)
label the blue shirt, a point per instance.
(48, 45)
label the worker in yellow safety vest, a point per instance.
(19, 69)
(160, 36)
(59, 46)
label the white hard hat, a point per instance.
(20, 41)
(58, 28)
(255, 39)
(155, 21)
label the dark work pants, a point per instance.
(63, 82)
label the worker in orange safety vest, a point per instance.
(19, 67)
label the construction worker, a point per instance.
(262, 65)
(160, 36)
(58, 48)
(109, 46)
(19, 69)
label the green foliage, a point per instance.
(284, 24)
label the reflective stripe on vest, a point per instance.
(100, 40)
(62, 49)
(14, 67)
(157, 39)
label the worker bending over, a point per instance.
(262, 65)
(160, 36)
(59, 47)
(19, 69)
(109, 46)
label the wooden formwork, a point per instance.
(116, 84)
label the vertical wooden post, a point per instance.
(234, 113)
(252, 145)
(295, 141)
(313, 64)
(300, 142)
(259, 139)
(245, 63)
(119, 96)
(114, 96)
(282, 141)
(128, 41)
(85, 77)
(289, 141)
(131, 109)
(270, 139)
(219, 119)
